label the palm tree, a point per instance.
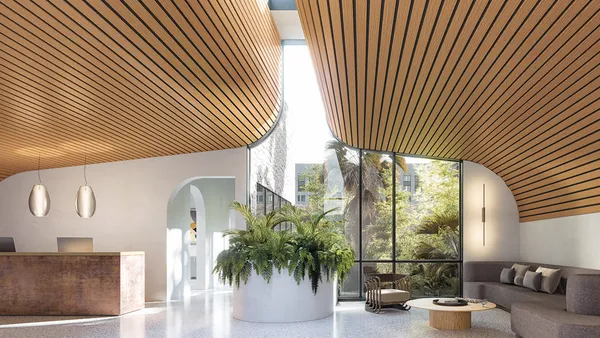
(445, 225)
(433, 278)
(374, 170)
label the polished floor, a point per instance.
(208, 314)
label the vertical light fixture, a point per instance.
(483, 215)
(85, 201)
(39, 199)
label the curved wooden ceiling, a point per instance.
(512, 85)
(133, 79)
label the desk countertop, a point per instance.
(124, 253)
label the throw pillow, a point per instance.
(507, 276)
(550, 279)
(532, 280)
(520, 272)
(519, 280)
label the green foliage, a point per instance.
(427, 221)
(314, 248)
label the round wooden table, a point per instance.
(448, 317)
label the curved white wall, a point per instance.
(502, 216)
(282, 300)
(132, 201)
(570, 241)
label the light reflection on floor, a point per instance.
(208, 314)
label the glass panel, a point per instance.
(427, 218)
(260, 199)
(376, 206)
(432, 279)
(301, 183)
(269, 201)
(341, 190)
(277, 202)
(351, 287)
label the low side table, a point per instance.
(449, 317)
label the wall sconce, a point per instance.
(483, 215)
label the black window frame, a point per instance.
(394, 262)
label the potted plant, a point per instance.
(275, 272)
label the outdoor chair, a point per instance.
(396, 296)
(386, 278)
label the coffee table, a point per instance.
(448, 317)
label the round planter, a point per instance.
(282, 300)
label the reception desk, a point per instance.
(74, 284)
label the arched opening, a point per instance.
(197, 216)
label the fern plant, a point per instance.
(315, 248)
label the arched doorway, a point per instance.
(197, 216)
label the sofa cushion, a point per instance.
(505, 295)
(583, 295)
(507, 276)
(550, 279)
(394, 296)
(520, 271)
(532, 280)
(530, 319)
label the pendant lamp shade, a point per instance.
(85, 202)
(39, 201)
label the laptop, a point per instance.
(75, 244)
(7, 244)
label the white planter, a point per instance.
(282, 300)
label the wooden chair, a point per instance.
(386, 278)
(378, 297)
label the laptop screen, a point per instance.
(7, 244)
(75, 244)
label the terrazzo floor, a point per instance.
(208, 314)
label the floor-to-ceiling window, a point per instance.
(401, 214)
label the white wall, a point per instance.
(570, 241)
(178, 244)
(502, 216)
(132, 199)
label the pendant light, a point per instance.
(85, 202)
(39, 199)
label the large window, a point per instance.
(393, 227)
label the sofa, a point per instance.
(572, 311)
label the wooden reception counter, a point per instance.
(76, 284)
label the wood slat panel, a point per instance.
(122, 80)
(512, 85)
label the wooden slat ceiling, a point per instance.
(132, 79)
(512, 85)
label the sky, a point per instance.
(306, 111)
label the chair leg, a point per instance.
(402, 307)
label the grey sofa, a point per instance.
(537, 314)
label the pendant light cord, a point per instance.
(39, 163)
(85, 168)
